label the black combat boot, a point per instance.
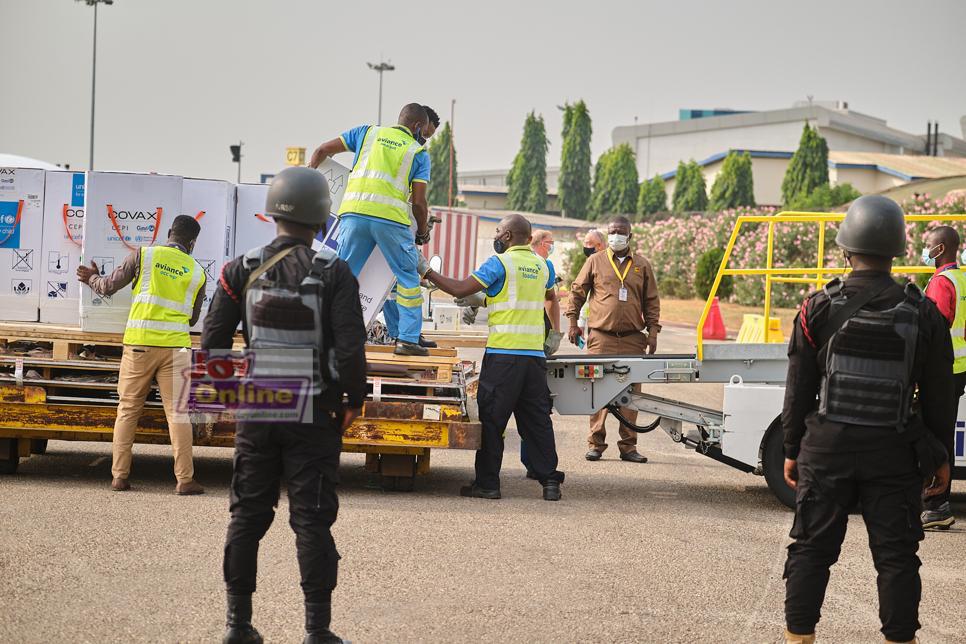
(238, 626)
(317, 619)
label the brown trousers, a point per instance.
(140, 367)
(604, 344)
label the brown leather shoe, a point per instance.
(120, 485)
(188, 488)
(634, 457)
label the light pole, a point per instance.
(381, 67)
(93, 3)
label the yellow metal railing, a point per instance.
(814, 275)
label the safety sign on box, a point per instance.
(21, 231)
(63, 236)
(122, 213)
(212, 204)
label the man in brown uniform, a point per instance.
(624, 303)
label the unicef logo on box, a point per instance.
(9, 219)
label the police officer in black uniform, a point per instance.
(306, 455)
(843, 445)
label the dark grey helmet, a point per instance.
(301, 195)
(873, 225)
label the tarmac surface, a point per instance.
(681, 549)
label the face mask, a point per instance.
(617, 242)
(499, 246)
(927, 260)
(589, 250)
(550, 250)
(418, 135)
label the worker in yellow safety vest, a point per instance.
(388, 182)
(947, 288)
(513, 380)
(168, 291)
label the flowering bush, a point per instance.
(673, 247)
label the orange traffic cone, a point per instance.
(714, 328)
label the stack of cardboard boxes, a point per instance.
(51, 221)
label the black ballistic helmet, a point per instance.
(300, 195)
(873, 225)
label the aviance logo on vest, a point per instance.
(379, 182)
(516, 312)
(164, 296)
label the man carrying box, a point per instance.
(168, 294)
(389, 174)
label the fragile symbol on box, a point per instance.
(105, 265)
(56, 289)
(58, 262)
(209, 266)
(22, 260)
(21, 287)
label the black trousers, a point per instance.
(517, 385)
(933, 502)
(888, 486)
(307, 457)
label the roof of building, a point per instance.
(843, 120)
(935, 188)
(549, 222)
(906, 167)
(475, 189)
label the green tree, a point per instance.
(437, 194)
(615, 186)
(808, 168)
(734, 185)
(705, 272)
(690, 192)
(573, 189)
(652, 197)
(825, 198)
(527, 180)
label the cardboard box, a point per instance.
(212, 203)
(63, 236)
(21, 232)
(252, 227)
(122, 213)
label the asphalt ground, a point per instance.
(682, 549)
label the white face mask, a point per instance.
(617, 242)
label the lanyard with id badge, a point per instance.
(622, 292)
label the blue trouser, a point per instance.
(359, 235)
(391, 313)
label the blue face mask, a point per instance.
(927, 259)
(550, 250)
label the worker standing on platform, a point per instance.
(304, 454)
(390, 310)
(513, 378)
(947, 289)
(389, 174)
(168, 292)
(624, 314)
(868, 408)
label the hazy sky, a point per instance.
(180, 80)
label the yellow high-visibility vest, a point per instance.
(379, 182)
(164, 296)
(516, 312)
(958, 330)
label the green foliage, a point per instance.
(808, 168)
(652, 197)
(734, 186)
(574, 191)
(615, 183)
(527, 180)
(705, 272)
(690, 192)
(573, 261)
(438, 191)
(825, 198)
